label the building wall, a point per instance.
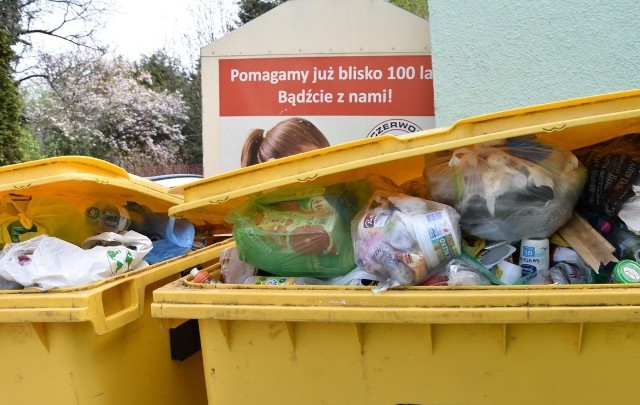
(304, 29)
(493, 55)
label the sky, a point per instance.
(133, 28)
(141, 27)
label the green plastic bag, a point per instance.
(301, 232)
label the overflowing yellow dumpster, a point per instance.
(95, 343)
(497, 344)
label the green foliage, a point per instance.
(417, 7)
(166, 72)
(10, 106)
(10, 20)
(250, 9)
(30, 146)
(191, 149)
(10, 134)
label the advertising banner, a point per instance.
(347, 97)
(312, 86)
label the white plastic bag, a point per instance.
(45, 262)
(630, 211)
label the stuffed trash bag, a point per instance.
(45, 262)
(509, 189)
(613, 183)
(23, 217)
(403, 239)
(303, 232)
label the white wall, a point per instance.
(493, 55)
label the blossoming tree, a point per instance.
(100, 107)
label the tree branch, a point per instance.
(32, 76)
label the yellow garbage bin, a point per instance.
(516, 344)
(97, 343)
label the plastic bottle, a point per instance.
(273, 280)
(106, 217)
(200, 276)
(534, 256)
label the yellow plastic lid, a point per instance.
(572, 124)
(81, 178)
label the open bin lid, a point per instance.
(84, 177)
(573, 124)
(110, 303)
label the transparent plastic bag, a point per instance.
(356, 277)
(400, 239)
(507, 190)
(465, 270)
(461, 271)
(234, 270)
(302, 232)
(563, 273)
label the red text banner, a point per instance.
(343, 85)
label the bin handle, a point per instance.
(131, 293)
(122, 302)
(118, 305)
